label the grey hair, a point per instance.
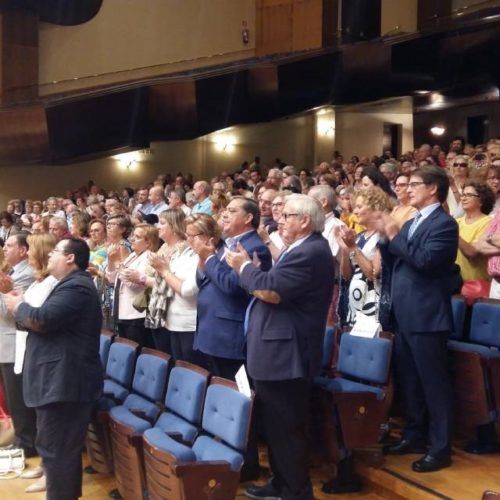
(323, 191)
(305, 205)
(60, 222)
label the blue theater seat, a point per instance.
(356, 402)
(120, 365)
(210, 467)
(105, 341)
(181, 418)
(476, 368)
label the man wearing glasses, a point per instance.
(421, 257)
(285, 325)
(62, 376)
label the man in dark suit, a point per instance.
(62, 376)
(422, 257)
(286, 324)
(221, 301)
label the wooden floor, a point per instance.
(386, 478)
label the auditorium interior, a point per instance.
(121, 91)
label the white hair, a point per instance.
(305, 205)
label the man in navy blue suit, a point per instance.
(221, 301)
(285, 326)
(422, 257)
(62, 376)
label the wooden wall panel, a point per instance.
(18, 56)
(307, 31)
(288, 25)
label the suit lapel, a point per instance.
(428, 221)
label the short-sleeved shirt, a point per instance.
(475, 268)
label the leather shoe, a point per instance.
(249, 474)
(266, 492)
(404, 447)
(482, 448)
(428, 463)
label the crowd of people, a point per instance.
(248, 267)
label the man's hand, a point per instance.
(12, 300)
(236, 259)
(6, 283)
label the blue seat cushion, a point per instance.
(114, 389)
(365, 358)
(340, 384)
(186, 393)
(227, 415)
(484, 324)
(170, 423)
(482, 350)
(156, 437)
(207, 448)
(150, 376)
(136, 402)
(126, 417)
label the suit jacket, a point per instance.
(222, 303)
(285, 340)
(62, 353)
(422, 279)
(22, 278)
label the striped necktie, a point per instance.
(414, 225)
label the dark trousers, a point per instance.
(24, 418)
(423, 373)
(284, 408)
(182, 347)
(161, 340)
(61, 437)
(223, 367)
(134, 329)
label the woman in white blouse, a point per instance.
(176, 268)
(130, 280)
(40, 246)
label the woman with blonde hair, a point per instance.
(172, 309)
(130, 278)
(40, 247)
(360, 260)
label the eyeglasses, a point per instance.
(279, 204)
(401, 185)
(463, 165)
(193, 235)
(286, 216)
(469, 195)
(415, 184)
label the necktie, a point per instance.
(414, 225)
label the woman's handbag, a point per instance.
(475, 289)
(141, 301)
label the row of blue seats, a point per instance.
(156, 410)
(475, 357)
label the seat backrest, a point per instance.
(121, 362)
(186, 392)
(105, 341)
(328, 341)
(363, 358)
(227, 413)
(150, 376)
(458, 308)
(485, 323)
